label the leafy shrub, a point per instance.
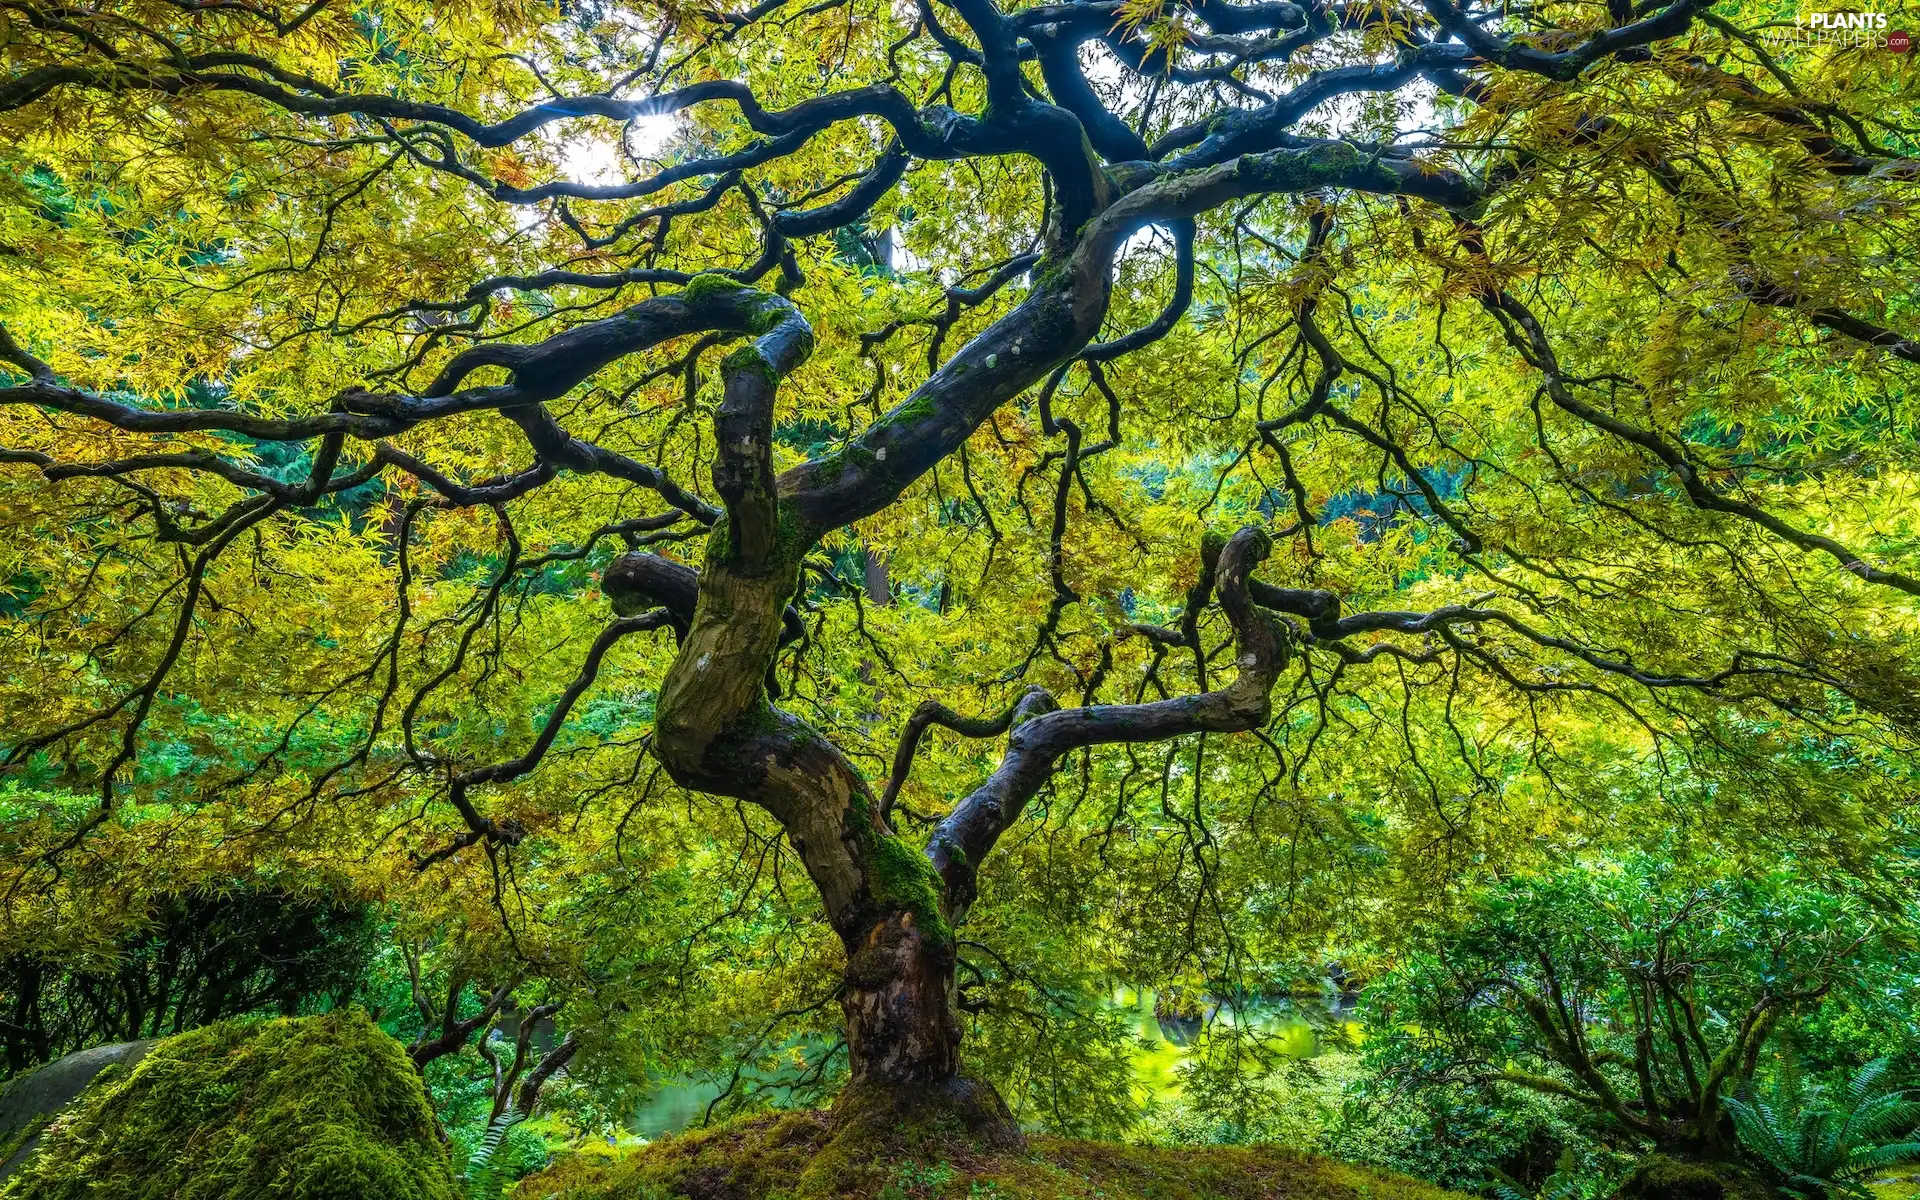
(1604, 990)
(193, 958)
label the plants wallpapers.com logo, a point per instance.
(1850, 28)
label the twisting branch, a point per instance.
(458, 788)
(1041, 737)
(541, 371)
(932, 712)
(1524, 331)
(443, 1030)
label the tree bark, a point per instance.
(902, 1028)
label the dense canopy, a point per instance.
(813, 529)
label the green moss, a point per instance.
(794, 538)
(831, 468)
(917, 407)
(763, 318)
(898, 876)
(955, 852)
(11, 1145)
(902, 878)
(749, 358)
(798, 1155)
(719, 542)
(12, 1139)
(767, 317)
(706, 285)
(1299, 170)
(828, 470)
(1050, 273)
(15, 1140)
(313, 1108)
(757, 720)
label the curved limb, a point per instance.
(1042, 734)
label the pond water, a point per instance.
(1302, 1025)
(1299, 1026)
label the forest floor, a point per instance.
(795, 1156)
(1902, 1184)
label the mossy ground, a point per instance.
(797, 1155)
(1902, 1183)
(308, 1108)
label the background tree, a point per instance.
(1640, 995)
(1543, 362)
(197, 958)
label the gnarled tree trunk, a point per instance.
(902, 1026)
(717, 729)
(903, 1039)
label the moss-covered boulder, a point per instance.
(1660, 1177)
(306, 1108)
(32, 1099)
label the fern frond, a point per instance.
(1866, 1081)
(485, 1180)
(1873, 1158)
(1760, 1135)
